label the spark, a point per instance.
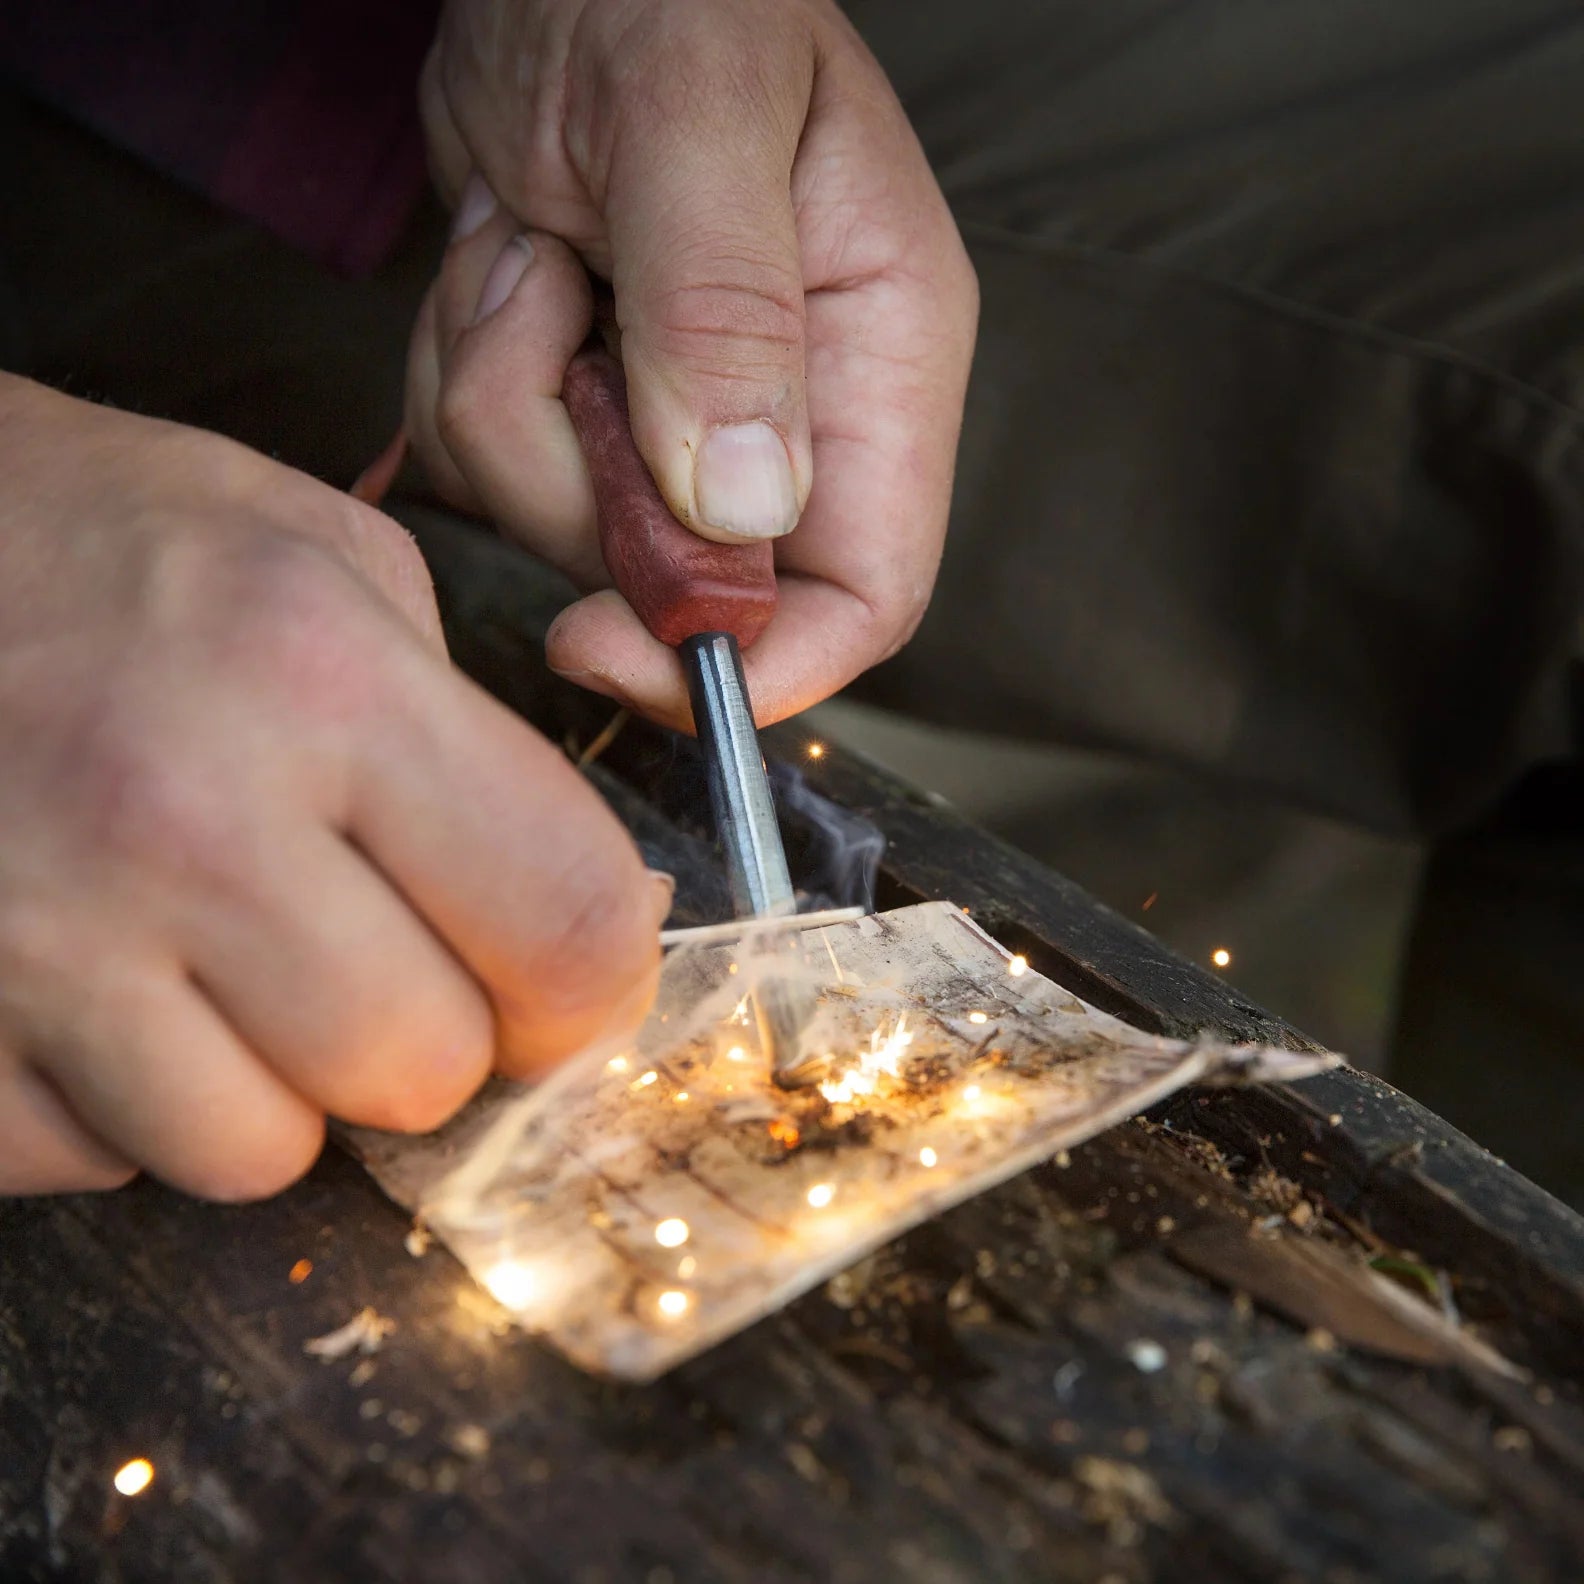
(1018, 966)
(673, 1232)
(883, 1059)
(821, 1195)
(1221, 957)
(511, 1283)
(927, 1156)
(686, 1266)
(736, 1053)
(731, 968)
(681, 1097)
(785, 1132)
(673, 1303)
(972, 1092)
(978, 1017)
(816, 750)
(648, 1078)
(300, 1272)
(1149, 901)
(133, 1478)
(617, 1064)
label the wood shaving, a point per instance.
(364, 1333)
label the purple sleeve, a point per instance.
(299, 114)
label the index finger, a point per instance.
(514, 861)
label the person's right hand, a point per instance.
(263, 853)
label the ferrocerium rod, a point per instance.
(745, 821)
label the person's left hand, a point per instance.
(796, 307)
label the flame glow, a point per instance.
(512, 1284)
(133, 1478)
(883, 1059)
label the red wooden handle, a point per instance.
(678, 583)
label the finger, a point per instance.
(47, 1149)
(855, 578)
(804, 655)
(152, 1068)
(449, 161)
(418, 413)
(515, 862)
(326, 971)
(510, 311)
(707, 271)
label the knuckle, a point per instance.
(34, 941)
(293, 627)
(96, 1176)
(262, 1166)
(457, 413)
(147, 804)
(603, 930)
(724, 327)
(438, 1082)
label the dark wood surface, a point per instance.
(977, 1402)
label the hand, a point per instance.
(796, 311)
(263, 853)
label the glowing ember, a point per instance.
(672, 1232)
(883, 1059)
(816, 750)
(927, 1156)
(1017, 965)
(1221, 957)
(785, 1132)
(647, 1079)
(300, 1272)
(821, 1195)
(978, 1017)
(617, 1064)
(511, 1283)
(681, 1097)
(673, 1303)
(133, 1478)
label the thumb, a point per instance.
(709, 295)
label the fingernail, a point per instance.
(474, 207)
(743, 482)
(664, 894)
(503, 276)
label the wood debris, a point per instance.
(364, 1333)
